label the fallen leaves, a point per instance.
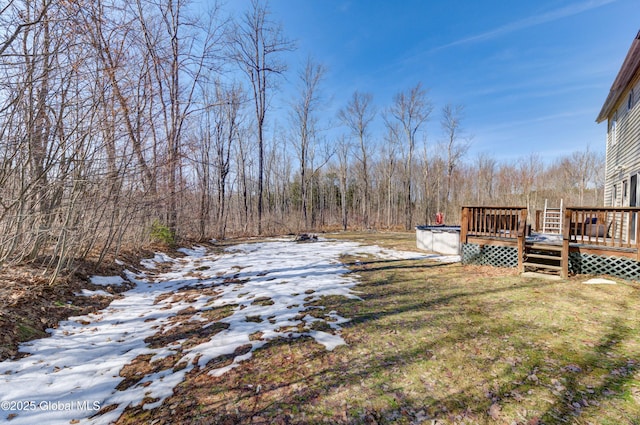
(29, 305)
(494, 411)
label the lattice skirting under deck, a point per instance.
(489, 255)
(506, 256)
(621, 267)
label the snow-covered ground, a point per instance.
(266, 287)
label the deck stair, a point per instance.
(552, 219)
(541, 257)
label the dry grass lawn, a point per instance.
(434, 343)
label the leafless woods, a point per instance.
(124, 120)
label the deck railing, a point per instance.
(493, 222)
(603, 226)
(605, 231)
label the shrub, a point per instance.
(161, 233)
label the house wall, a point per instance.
(623, 148)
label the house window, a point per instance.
(625, 187)
(614, 129)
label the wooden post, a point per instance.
(464, 225)
(522, 237)
(566, 236)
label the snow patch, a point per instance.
(267, 288)
(89, 293)
(599, 281)
(158, 258)
(107, 280)
(329, 341)
(196, 251)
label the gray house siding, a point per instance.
(622, 184)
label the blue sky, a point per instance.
(532, 75)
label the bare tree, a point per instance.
(485, 169)
(528, 171)
(182, 58)
(304, 123)
(455, 144)
(388, 151)
(110, 43)
(244, 165)
(49, 130)
(13, 21)
(257, 43)
(433, 171)
(227, 132)
(319, 157)
(39, 51)
(582, 168)
(216, 136)
(343, 150)
(411, 110)
(357, 116)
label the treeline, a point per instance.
(126, 120)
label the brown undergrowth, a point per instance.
(30, 303)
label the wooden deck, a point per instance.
(597, 231)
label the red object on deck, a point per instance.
(439, 218)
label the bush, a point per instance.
(161, 233)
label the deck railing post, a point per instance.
(464, 225)
(522, 235)
(566, 236)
